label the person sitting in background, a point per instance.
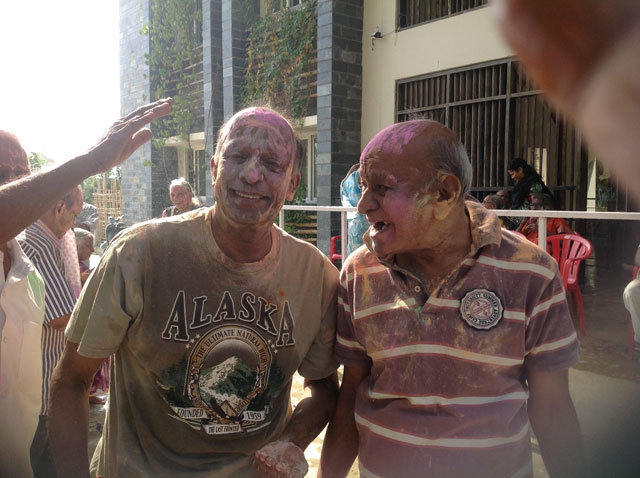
(84, 243)
(493, 201)
(350, 192)
(182, 198)
(505, 195)
(508, 222)
(555, 225)
(527, 181)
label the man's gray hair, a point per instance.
(70, 197)
(448, 154)
(82, 233)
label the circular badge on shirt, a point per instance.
(481, 309)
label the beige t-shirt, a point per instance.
(205, 347)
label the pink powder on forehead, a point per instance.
(269, 117)
(394, 138)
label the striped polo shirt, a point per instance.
(447, 392)
(40, 246)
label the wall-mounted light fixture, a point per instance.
(376, 35)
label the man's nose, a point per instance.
(367, 202)
(252, 170)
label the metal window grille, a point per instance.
(498, 114)
(414, 12)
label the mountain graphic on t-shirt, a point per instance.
(227, 383)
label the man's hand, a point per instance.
(32, 195)
(84, 276)
(280, 459)
(530, 227)
(125, 135)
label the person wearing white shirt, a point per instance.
(21, 316)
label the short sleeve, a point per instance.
(551, 342)
(110, 301)
(319, 363)
(349, 351)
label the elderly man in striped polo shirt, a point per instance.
(43, 244)
(455, 334)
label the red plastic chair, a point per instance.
(630, 339)
(333, 255)
(569, 250)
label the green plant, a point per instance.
(280, 55)
(38, 161)
(174, 55)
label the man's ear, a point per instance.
(294, 183)
(60, 207)
(447, 194)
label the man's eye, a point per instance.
(235, 156)
(273, 165)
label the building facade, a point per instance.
(378, 62)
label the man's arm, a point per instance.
(285, 457)
(32, 195)
(60, 323)
(69, 411)
(555, 423)
(340, 446)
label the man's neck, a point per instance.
(436, 262)
(243, 244)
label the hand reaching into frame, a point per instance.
(126, 135)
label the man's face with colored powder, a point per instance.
(397, 179)
(254, 173)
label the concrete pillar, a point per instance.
(134, 92)
(339, 103)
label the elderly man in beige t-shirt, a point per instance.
(209, 315)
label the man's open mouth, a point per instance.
(380, 225)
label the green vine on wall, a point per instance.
(280, 53)
(174, 51)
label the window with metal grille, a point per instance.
(498, 114)
(414, 12)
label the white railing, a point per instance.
(541, 214)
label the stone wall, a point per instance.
(339, 103)
(212, 77)
(134, 90)
(236, 14)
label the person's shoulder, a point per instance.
(34, 242)
(361, 258)
(161, 230)
(291, 243)
(519, 250)
(304, 254)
